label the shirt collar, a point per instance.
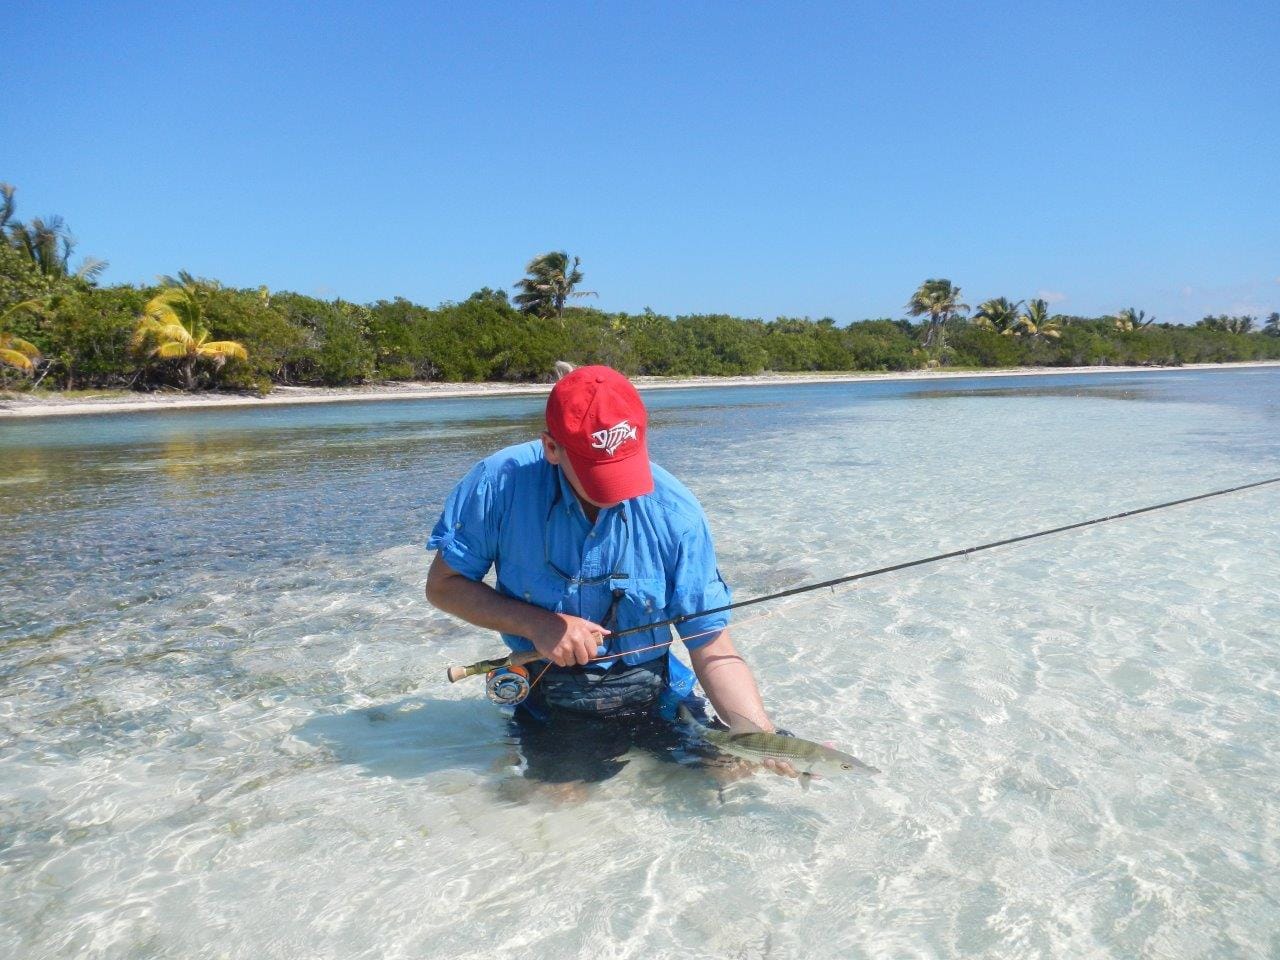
(569, 499)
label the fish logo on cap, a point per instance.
(611, 439)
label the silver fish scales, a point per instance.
(805, 756)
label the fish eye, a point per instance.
(846, 766)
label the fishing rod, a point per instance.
(454, 674)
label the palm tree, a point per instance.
(14, 351)
(1037, 322)
(1273, 325)
(940, 299)
(1130, 319)
(46, 243)
(173, 321)
(999, 315)
(550, 283)
(7, 205)
(1227, 324)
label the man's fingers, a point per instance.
(580, 642)
(590, 625)
(779, 767)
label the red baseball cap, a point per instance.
(597, 416)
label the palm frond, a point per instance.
(91, 269)
(172, 350)
(14, 358)
(147, 328)
(18, 353)
(175, 332)
(34, 306)
(228, 349)
(161, 305)
(10, 341)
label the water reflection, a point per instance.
(1101, 392)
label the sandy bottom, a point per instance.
(227, 733)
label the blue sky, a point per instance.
(753, 158)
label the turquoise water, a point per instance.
(224, 730)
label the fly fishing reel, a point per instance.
(507, 685)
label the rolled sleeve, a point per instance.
(697, 586)
(466, 533)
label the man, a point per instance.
(589, 537)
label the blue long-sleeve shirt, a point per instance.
(516, 512)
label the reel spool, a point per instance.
(507, 685)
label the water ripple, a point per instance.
(224, 733)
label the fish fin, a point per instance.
(805, 780)
(691, 723)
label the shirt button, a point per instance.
(526, 594)
(457, 526)
(591, 534)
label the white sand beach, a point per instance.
(13, 404)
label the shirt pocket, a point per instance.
(541, 589)
(644, 601)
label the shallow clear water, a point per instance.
(224, 729)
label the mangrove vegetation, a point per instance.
(60, 328)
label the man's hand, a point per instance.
(732, 691)
(566, 640)
(781, 767)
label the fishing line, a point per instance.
(458, 673)
(951, 554)
(666, 643)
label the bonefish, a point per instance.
(804, 755)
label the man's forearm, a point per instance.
(480, 604)
(730, 685)
(560, 637)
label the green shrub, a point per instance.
(85, 332)
(877, 345)
(332, 344)
(85, 335)
(981, 347)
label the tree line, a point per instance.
(59, 328)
